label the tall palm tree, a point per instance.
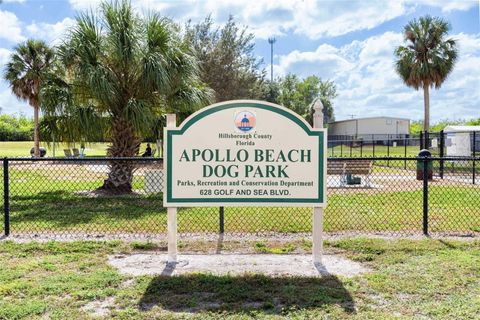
(427, 58)
(26, 73)
(124, 70)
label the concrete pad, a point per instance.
(268, 264)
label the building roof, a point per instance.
(461, 128)
(369, 118)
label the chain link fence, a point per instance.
(388, 196)
(441, 144)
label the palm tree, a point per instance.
(124, 70)
(427, 58)
(26, 72)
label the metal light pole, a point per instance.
(271, 41)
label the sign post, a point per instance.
(317, 226)
(172, 211)
(245, 153)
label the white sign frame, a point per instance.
(169, 132)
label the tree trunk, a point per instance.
(125, 143)
(426, 105)
(36, 138)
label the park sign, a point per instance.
(244, 153)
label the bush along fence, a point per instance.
(375, 195)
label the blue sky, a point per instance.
(350, 42)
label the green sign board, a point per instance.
(243, 152)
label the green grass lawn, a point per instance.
(22, 149)
(47, 200)
(427, 279)
(368, 151)
(64, 212)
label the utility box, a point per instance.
(421, 165)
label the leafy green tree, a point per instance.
(120, 72)
(313, 87)
(270, 91)
(15, 128)
(26, 72)
(298, 95)
(474, 122)
(440, 125)
(290, 96)
(416, 127)
(427, 58)
(227, 59)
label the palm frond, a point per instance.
(427, 57)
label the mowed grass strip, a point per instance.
(99, 149)
(58, 201)
(22, 148)
(370, 151)
(432, 279)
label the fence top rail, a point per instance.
(405, 158)
(372, 140)
(89, 159)
(152, 159)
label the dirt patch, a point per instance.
(101, 193)
(138, 264)
(261, 236)
(98, 308)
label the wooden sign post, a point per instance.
(317, 223)
(172, 211)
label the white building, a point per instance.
(460, 140)
(382, 127)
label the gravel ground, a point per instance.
(44, 237)
(138, 264)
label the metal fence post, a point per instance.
(425, 196)
(6, 204)
(405, 153)
(441, 153)
(388, 145)
(373, 144)
(421, 140)
(361, 148)
(474, 152)
(222, 220)
(388, 149)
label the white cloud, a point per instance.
(326, 60)
(450, 5)
(368, 85)
(4, 56)
(140, 4)
(84, 4)
(10, 104)
(265, 18)
(320, 19)
(10, 28)
(52, 33)
(312, 18)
